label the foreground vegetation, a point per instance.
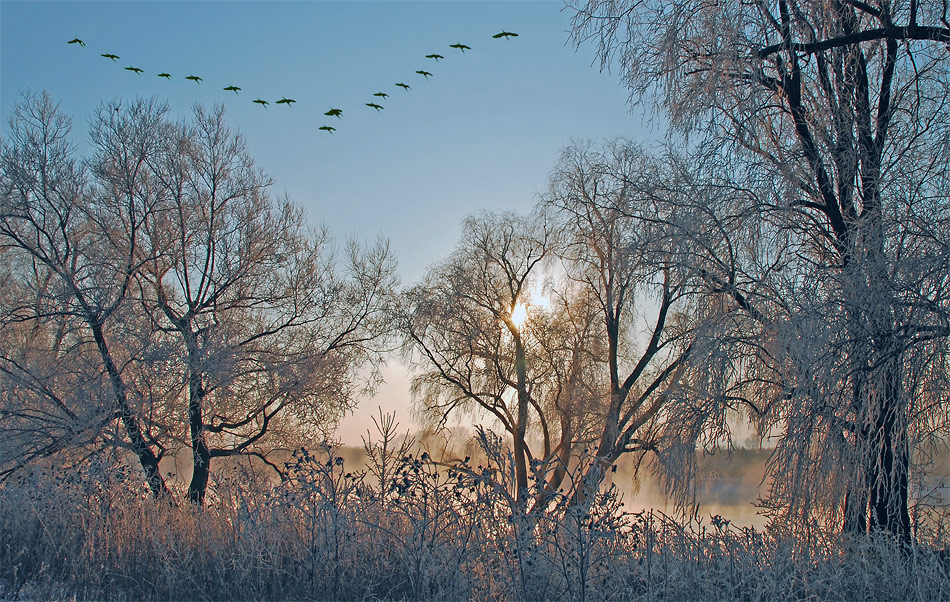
(409, 528)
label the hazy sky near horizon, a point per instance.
(481, 134)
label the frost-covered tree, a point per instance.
(830, 120)
(222, 323)
(468, 329)
(73, 252)
(273, 325)
(639, 239)
(600, 370)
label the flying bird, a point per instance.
(381, 95)
(505, 34)
(327, 128)
(165, 75)
(134, 69)
(263, 103)
(425, 74)
(114, 57)
(338, 113)
(286, 101)
(194, 78)
(460, 46)
(232, 89)
(435, 56)
(374, 105)
(77, 41)
(406, 86)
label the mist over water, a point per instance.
(726, 485)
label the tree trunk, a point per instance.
(878, 500)
(147, 458)
(200, 453)
(889, 459)
(521, 427)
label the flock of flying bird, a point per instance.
(333, 112)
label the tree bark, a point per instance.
(200, 453)
(521, 463)
(147, 458)
(889, 459)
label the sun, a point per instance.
(519, 314)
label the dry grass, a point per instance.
(432, 534)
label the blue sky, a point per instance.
(482, 133)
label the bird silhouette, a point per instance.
(338, 113)
(77, 41)
(232, 89)
(114, 57)
(374, 106)
(435, 56)
(327, 128)
(381, 95)
(165, 75)
(406, 86)
(263, 103)
(134, 69)
(505, 34)
(194, 78)
(286, 101)
(425, 74)
(460, 46)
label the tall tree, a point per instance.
(478, 344)
(610, 366)
(221, 321)
(832, 116)
(77, 247)
(650, 238)
(631, 226)
(269, 319)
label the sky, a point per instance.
(482, 133)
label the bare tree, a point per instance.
(642, 237)
(471, 330)
(607, 368)
(832, 120)
(77, 249)
(222, 323)
(268, 321)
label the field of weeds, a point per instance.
(416, 531)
